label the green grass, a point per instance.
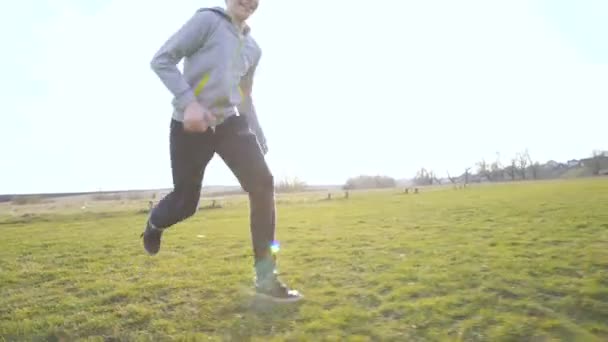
(519, 262)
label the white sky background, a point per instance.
(344, 88)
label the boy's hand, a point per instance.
(197, 118)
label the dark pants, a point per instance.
(236, 144)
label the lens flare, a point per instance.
(275, 247)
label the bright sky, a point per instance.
(344, 88)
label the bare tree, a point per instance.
(535, 170)
(482, 169)
(466, 176)
(435, 179)
(510, 170)
(452, 179)
(534, 166)
(423, 177)
(497, 170)
(522, 159)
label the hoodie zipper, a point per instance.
(235, 82)
(236, 64)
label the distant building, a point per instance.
(601, 160)
(573, 163)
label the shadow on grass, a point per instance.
(259, 318)
(24, 219)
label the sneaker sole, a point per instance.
(279, 300)
(150, 251)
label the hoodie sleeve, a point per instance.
(187, 40)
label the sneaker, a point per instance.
(274, 290)
(152, 237)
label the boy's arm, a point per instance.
(189, 38)
(247, 108)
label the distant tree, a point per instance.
(466, 175)
(482, 169)
(434, 179)
(534, 166)
(522, 159)
(423, 177)
(370, 182)
(290, 185)
(452, 179)
(596, 161)
(511, 170)
(497, 170)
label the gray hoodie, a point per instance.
(219, 65)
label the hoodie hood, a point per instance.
(224, 14)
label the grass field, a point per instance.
(518, 262)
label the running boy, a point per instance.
(214, 112)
